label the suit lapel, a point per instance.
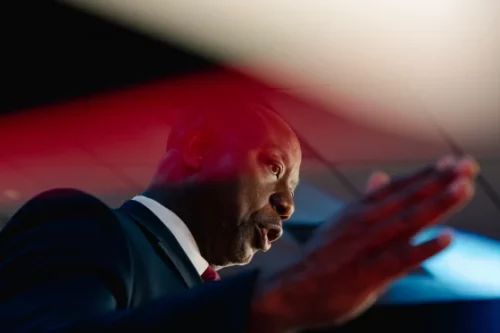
(168, 246)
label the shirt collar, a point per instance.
(178, 228)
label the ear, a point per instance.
(193, 151)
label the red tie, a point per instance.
(210, 274)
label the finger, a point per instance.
(377, 180)
(446, 168)
(446, 162)
(398, 183)
(400, 259)
(422, 190)
(418, 217)
(412, 196)
(369, 230)
(403, 258)
(468, 167)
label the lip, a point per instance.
(266, 234)
(262, 241)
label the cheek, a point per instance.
(241, 245)
(256, 194)
(251, 185)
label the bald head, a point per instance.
(237, 122)
(241, 167)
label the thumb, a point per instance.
(377, 180)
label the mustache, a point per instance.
(268, 220)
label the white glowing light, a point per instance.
(415, 60)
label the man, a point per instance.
(221, 192)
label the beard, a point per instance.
(246, 239)
(237, 243)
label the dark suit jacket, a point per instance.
(69, 263)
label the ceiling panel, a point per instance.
(341, 141)
(468, 99)
(388, 105)
(404, 43)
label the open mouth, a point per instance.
(265, 235)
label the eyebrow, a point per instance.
(276, 150)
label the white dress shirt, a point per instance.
(179, 229)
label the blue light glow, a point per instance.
(470, 265)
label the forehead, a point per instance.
(248, 129)
(276, 129)
(274, 135)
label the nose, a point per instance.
(283, 204)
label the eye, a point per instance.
(275, 169)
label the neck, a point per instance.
(185, 201)
(178, 199)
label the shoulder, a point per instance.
(63, 231)
(63, 201)
(66, 205)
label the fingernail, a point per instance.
(445, 238)
(380, 177)
(468, 166)
(462, 187)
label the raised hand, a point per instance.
(352, 259)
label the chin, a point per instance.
(244, 257)
(237, 258)
(238, 262)
(246, 260)
(239, 252)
